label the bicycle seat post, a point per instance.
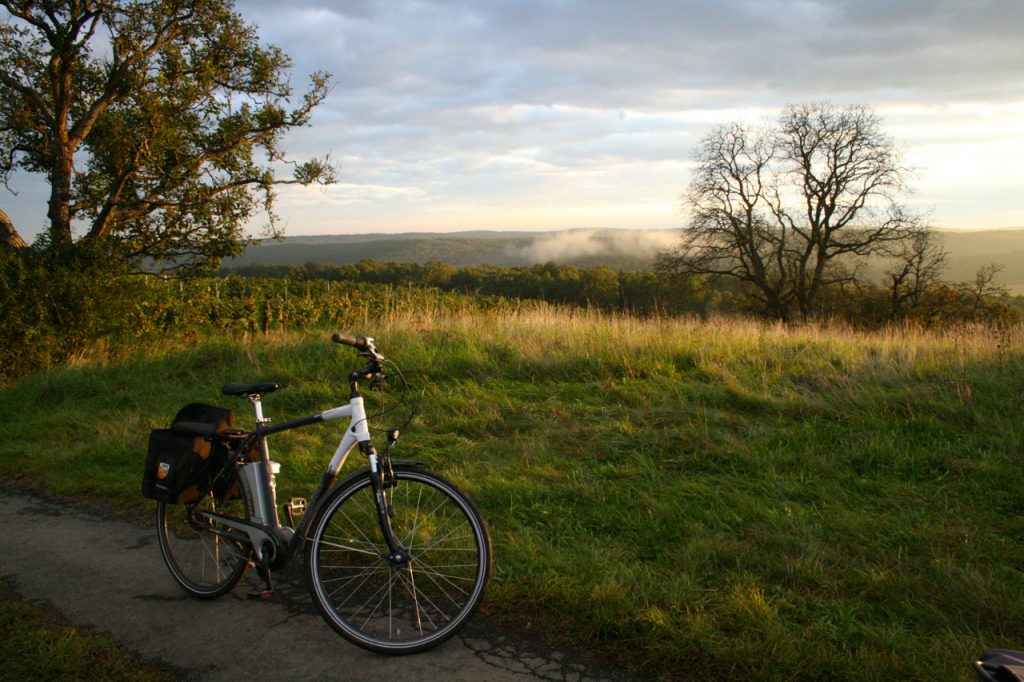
(269, 514)
(257, 405)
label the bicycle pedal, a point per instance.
(295, 509)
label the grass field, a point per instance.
(706, 500)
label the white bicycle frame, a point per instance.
(357, 432)
(270, 531)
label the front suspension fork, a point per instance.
(379, 469)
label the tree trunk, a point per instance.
(8, 235)
(59, 211)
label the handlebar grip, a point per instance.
(349, 340)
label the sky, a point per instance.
(453, 115)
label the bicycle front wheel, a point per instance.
(204, 563)
(410, 608)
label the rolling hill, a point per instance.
(620, 249)
(627, 249)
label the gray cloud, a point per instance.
(595, 52)
(416, 78)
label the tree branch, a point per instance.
(8, 235)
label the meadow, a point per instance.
(691, 499)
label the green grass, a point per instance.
(34, 646)
(712, 500)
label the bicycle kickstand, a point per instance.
(263, 568)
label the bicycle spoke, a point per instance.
(345, 548)
(449, 577)
(349, 579)
(415, 517)
(356, 526)
(199, 558)
(208, 552)
(417, 593)
(440, 529)
(416, 601)
(405, 609)
(449, 538)
(443, 591)
(423, 563)
(369, 574)
(382, 590)
(420, 613)
(334, 567)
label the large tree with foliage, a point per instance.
(157, 123)
(790, 209)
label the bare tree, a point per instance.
(731, 233)
(918, 264)
(981, 297)
(793, 208)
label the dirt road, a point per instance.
(107, 574)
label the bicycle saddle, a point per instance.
(242, 390)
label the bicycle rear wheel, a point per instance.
(204, 563)
(398, 610)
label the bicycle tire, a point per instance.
(205, 564)
(409, 609)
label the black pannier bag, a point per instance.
(179, 462)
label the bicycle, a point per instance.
(397, 558)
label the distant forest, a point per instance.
(633, 250)
(613, 270)
(617, 249)
(646, 292)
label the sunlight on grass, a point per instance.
(727, 497)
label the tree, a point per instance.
(980, 298)
(918, 265)
(157, 123)
(793, 208)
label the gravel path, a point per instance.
(107, 574)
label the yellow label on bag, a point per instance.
(162, 471)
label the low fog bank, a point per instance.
(573, 245)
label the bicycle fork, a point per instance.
(270, 554)
(398, 556)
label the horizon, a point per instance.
(541, 230)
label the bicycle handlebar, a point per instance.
(363, 344)
(357, 342)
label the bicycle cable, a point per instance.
(402, 399)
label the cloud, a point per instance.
(540, 107)
(607, 53)
(435, 77)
